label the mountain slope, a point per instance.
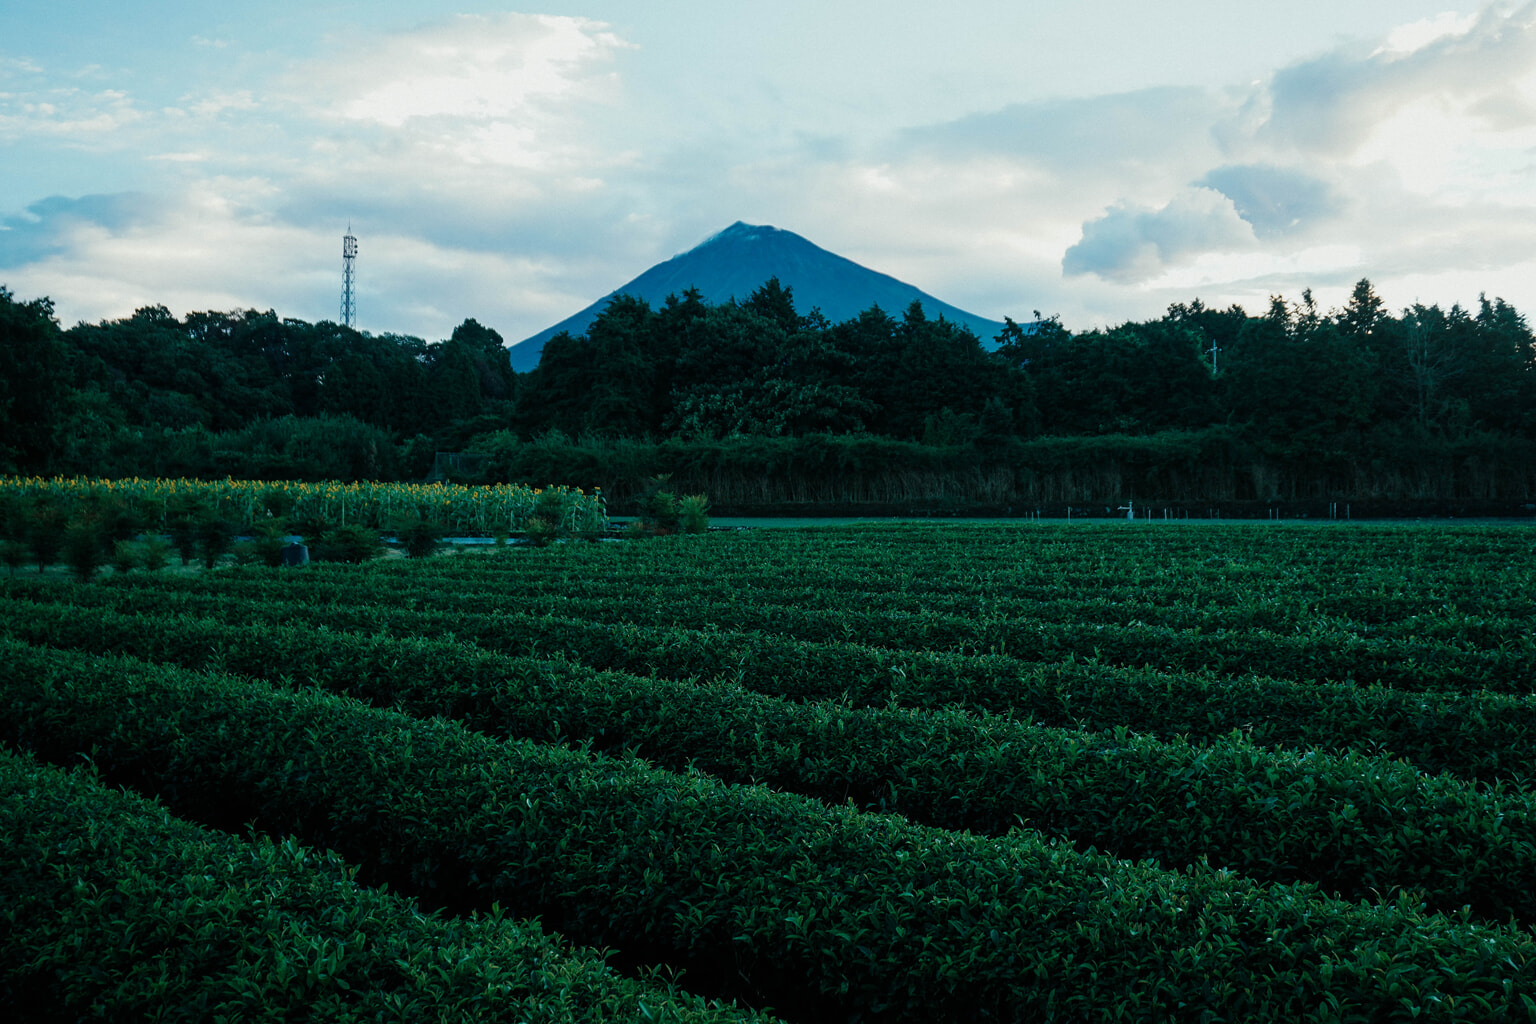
(736, 262)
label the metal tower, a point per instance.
(348, 273)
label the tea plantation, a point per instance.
(906, 772)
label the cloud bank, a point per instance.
(510, 168)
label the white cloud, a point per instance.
(1333, 104)
(67, 113)
(471, 67)
(1419, 34)
(1130, 245)
(472, 154)
(1417, 156)
(218, 102)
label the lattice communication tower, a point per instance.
(348, 274)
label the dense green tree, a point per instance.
(775, 303)
(1302, 393)
(553, 396)
(1500, 375)
(1218, 328)
(1309, 395)
(621, 344)
(37, 399)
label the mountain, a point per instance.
(737, 261)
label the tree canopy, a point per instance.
(156, 393)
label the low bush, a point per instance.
(127, 556)
(156, 552)
(84, 548)
(693, 513)
(352, 544)
(142, 910)
(826, 911)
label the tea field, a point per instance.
(899, 772)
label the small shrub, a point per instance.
(183, 531)
(14, 554)
(554, 507)
(311, 528)
(662, 513)
(83, 549)
(214, 537)
(353, 544)
(183, 512)
(245, 553)
(266, 547)
(45, 533)
(279, 504)
(126, 556)
(542, 532)
(693, 513)
(118, 521)
(156, 553)
(13, 516)
(419, 536)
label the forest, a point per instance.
(764, 406)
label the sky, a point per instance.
(1090, 159)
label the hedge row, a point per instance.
(112, 909)
(1376, 576)
(848, 912)
(1350, 823)
(1238, 599)
(1227, 594)
(1320, 655)
(1479, 735)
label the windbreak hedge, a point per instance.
(866, 914)
(113, 909)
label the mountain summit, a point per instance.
(737, 261)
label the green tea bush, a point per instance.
(1352, 824)
(141, 909)
(838, 913)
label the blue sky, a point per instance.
(1096, 159)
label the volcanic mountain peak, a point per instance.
(735, 262)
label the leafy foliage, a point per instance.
(258, 928)
(1094, 684)
(1357, 402)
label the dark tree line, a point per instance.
(243, 394)
(1301, 391)
(1295, 380)
(759, 368)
